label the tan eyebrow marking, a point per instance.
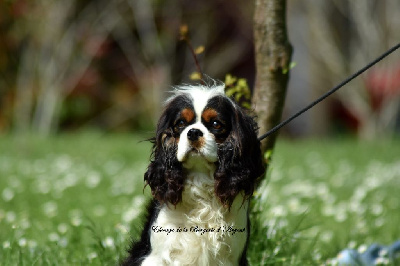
(209, 114)
(187, 114)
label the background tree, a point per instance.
(273, 54)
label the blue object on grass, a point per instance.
(375, 254)
(349, 257)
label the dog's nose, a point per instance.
(194, 134)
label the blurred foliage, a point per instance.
(238, 89)
(68, 65)
(343, 37)
(10, 11)
(107, 65)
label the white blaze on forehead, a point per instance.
(200, 96)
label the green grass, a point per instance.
(74, 199)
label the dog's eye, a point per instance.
(180, 123)
(216, 124)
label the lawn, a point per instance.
(77, 199)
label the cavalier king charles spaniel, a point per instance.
(206, 161)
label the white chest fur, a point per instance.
(199, 230)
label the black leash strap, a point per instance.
(331, 91)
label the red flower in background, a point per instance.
(382, 84)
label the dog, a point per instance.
(206, 161)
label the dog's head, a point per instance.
(200, 125)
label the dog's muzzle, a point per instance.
(195, 141)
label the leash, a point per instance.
(331, 91)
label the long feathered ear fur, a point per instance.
(240, 161)
(164, 174)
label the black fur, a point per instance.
(239, 158)
(141, 248)
(165, 175)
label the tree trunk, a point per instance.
(273, 54)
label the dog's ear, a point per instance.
(240, 161)
(164, 174)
